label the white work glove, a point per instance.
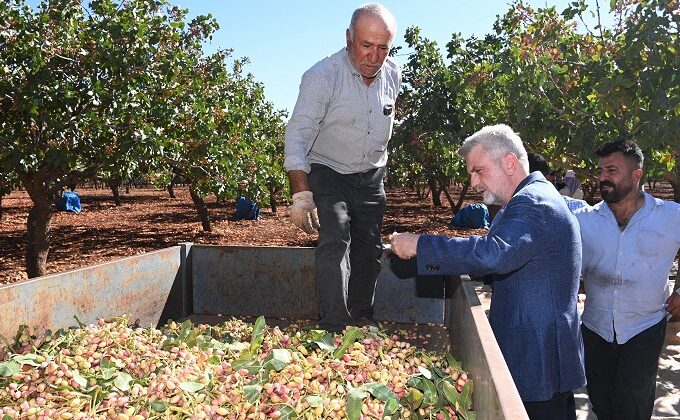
(303, 212)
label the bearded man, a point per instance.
(630, 240)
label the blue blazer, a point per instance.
(532, 255)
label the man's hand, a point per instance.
(404, 245)
(303, 212)
(673, 303)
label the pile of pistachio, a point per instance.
(235, 370)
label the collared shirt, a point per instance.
(574, 203)
(625, 273)
(340, 122)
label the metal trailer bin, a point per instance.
(207, 282)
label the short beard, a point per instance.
(492, 199)
(616, 194)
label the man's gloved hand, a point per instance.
(303, 212)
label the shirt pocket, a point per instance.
(651, 242)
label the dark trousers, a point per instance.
(622, 377)
(351, 209)
(562, 406)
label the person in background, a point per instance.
(532, 257)
(335, 156)
(557, 179)
(538, 163)
(630, 240)
(572, 186)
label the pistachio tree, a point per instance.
(77, 92)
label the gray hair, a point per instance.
(497, 141)
(375, 10)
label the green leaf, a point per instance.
(391, 407)
(252, 366)
(279, 359)
(79, 379)
(190, 386)
(6, 417)
(159, 406)
(383, 393)
(258, 335)
(453, 363)
(430, 393)
(287, 413)
(27, 359)
(466, 395)
(414, 398)
(107, 368)
(467, 415)
(186, 328)
(122, 381)
(355, 399)
(237, 346)
(9, 368)
(379, 391)
(323, 339)
(416, 382)
(612, 5)
(450, 393)
(348, 339)
(252, 392)
(314, 401)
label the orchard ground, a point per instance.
(148, 219)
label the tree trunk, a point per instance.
(114, 184)
(436, 192)
(201, 208)
(272, 199)
(456, 208)
(449, 199)
(171, 189)
(1, 206)
(421, 192)
(674, 179)
(39, 225)
(38, 246)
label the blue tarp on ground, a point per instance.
(69, 201)
(246, 209)
(473, 216)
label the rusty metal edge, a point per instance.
(508, 397)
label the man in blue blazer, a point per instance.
(532, 257)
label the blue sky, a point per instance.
(284, 38)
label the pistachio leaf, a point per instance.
(348, 339)
(79, 379)
(315, 401)
(258, 335)
(453, 363)
(159, 406)
(355, 399)
(414, 398)
(107, 368)
(9, 368)
(190, 386)
(122, 381)
(252, 392)
(27, 359)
